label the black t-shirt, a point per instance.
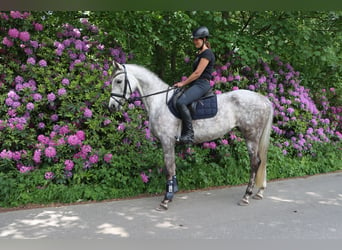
(208, 54)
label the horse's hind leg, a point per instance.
(252, 147)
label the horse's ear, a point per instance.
(117, 65)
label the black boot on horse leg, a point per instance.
(187, 135)
(171, 189)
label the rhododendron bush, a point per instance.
(60, 143)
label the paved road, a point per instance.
(303, 208)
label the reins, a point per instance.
(133, 99)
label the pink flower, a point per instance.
(43, 139)
(14, 33)
(144, 177)
(50, 152)
(24, 36)
(69, 165)
(86, 149)
(235, 88)
(93, 159)
(107, 157)
(7, 42)
(87, 113)
(49, 175)
(38, 27)
(80, 135)
(36, 156)
(121, 127)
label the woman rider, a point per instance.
(198, 81)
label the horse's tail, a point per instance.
(260, 180)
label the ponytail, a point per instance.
(207, 43)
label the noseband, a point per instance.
(127, 84)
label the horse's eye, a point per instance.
(119, 81)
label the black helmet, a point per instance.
(200, 32)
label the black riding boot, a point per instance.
(187, 135)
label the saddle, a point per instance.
(203, 108)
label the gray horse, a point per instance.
(251, 112)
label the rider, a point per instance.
(199, 81)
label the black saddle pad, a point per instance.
(203, 108)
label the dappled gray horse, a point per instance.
(251, 112)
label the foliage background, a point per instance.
(60, 144)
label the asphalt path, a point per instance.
(300, 208)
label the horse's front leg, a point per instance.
(171, 181)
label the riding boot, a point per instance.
(187, 135)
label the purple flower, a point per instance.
(73, 140)
(31, 60)
(49, 175)
(41, 125)
(54, 117)
(34, 44)
(87, 113)
(106, 122)
(61, 91)
(65, 81)
(50, 152)
(107, 157)
(144, 177)
(30, 106)
(24, 36)
(28, 51)
(42, 63)
(121, 127)
(51, 97)
(37, 97)
(14, 33)
(290, 110)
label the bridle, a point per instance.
(128, 86)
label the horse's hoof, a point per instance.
(257, 196)
(243, 202)
(163, 206)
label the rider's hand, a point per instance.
(179, 84)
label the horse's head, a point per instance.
(122, 86)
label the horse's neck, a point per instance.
(148, 84)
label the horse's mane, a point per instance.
(142, 73)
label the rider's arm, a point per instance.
(196, 74)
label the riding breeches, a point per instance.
(197, 89)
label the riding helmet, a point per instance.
(200, 32)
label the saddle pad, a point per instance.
(201, 109)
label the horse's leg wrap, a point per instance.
(169, 190)
(175, 184)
